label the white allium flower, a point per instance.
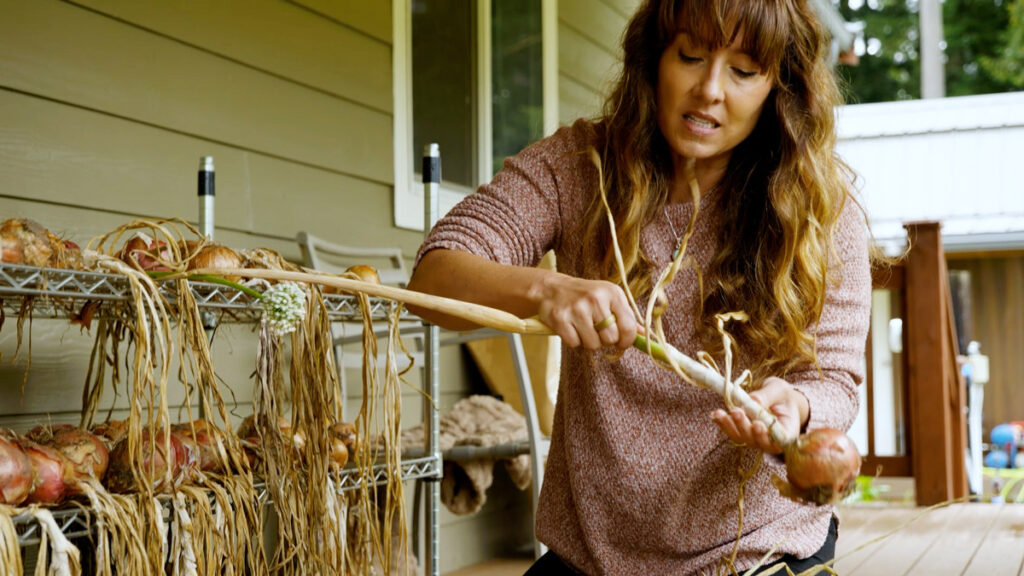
(284, 304)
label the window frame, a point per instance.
(408, 189)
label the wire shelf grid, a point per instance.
(61, 293)
(74, 520)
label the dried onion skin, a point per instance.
(16, 475)
(25, 241)
(54, 474)
(87, 453)
(216, 256)
(821, 466)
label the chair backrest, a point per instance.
(325, 256)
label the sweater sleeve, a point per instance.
(841, 332)
(515, 219)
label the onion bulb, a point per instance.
(284, 426)
(156, 462)
(202, 440)
(24, 241)
(347, 433)
(54, 474)
(66, 254)
(16, 476)
(360, 272)
(86, 452)
(821, 467)
(111, 432)
(365, 273)
(216, 256)
(341, 438)
(144, 253)
(252, 440)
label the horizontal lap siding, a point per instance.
(589, 48)
(106, 106)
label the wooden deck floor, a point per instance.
(958, 540)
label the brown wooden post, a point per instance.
(931, 365)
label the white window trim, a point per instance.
(408, 192)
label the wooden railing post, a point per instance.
(935, 407)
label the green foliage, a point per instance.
(893, 71)
(1008, 65)
(974, 31)
(984, 48)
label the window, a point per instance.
(471, 76)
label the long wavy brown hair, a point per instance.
(781, 195)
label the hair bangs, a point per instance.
(761, 25)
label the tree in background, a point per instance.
(889, 68)
(984, 48)
(975, 32)
(1008, 66)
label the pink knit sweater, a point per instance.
(639, 480)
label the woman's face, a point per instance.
(708, 100)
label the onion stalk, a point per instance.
(821, 465)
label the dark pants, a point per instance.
(551, 564)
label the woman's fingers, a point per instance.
(590, 313)
(784, 401)
(741, 431)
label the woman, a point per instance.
(642, 474)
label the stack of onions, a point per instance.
(49, 464)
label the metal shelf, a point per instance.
(74, 521)
(61, 293)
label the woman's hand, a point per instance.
(778, 396)
(589, 313)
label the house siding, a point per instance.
(589, 53)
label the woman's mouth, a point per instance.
(699, 125)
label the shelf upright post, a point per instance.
(431, 419)
(206, 189)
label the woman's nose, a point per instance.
(711, 87)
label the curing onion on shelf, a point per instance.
(54, 474)
(155, 466)
(144, 253)
(86, 452)
(202, 440)
(25, 241)
(16, 476)
(111, 432)
(215, 255)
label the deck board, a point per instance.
(1001, 552)
(957, 540)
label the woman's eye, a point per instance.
(745, 73)
(687, 58)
